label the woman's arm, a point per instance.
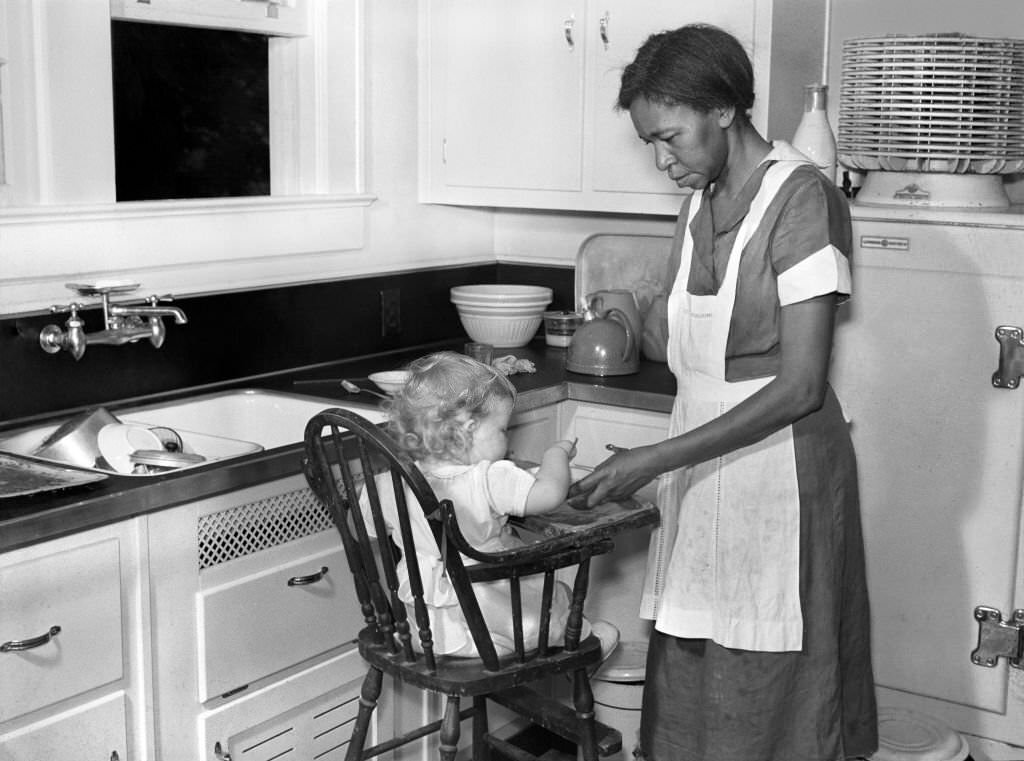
(553, 478)
(798, 389)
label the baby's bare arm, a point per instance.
(553, 478)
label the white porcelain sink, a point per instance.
(218, 426)
(268, 418)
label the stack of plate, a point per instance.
(933, 103)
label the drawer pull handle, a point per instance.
(29, 644)
(313, 578)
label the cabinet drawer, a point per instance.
(307, 716)
(264, 622)
(78, 590)
(94, 731)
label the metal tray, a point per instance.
(21, 476)
(636, 262)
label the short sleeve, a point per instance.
(811, 241)
(507, 486)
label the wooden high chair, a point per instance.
(399, 509)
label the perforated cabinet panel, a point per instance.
(246, 529)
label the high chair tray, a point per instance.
(606, 519)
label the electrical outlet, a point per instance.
(390, 312)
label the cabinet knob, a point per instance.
(568, 27)
(219, 753)
(603, 28)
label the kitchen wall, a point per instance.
(405, 239)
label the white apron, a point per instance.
(725, 562)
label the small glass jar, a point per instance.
(559, 327)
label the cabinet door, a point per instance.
(530, 433)
(65, 610)
(941, 461)
(307, 716)
(94, 731)
(510, 93)
(616, 29)
(246, 623)
(616, 579)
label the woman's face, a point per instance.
(690, 146)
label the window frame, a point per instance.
(59, 221)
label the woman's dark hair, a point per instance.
(698, 65)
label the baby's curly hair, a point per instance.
(428, 414)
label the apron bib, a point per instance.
(725, 562)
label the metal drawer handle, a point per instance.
(313, 578)
(29, 644)
(567, 29)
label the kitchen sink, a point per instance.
(268, 418)
(218, 426)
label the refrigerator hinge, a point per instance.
(1011, 357)
(998, 638)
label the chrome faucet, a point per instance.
(123, 323)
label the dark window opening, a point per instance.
(191, 112)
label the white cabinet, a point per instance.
(615, 578)
(71, 653)
(283, 721)
(530, 433)
(518, 98)
(255, 617)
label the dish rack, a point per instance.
(933, 119)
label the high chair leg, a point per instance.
(450, 729)
(367, 703)
(583, 701)
(481, 750)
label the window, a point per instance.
(61, 219)
(191, 112)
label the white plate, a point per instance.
(390, 381)
(117, 441)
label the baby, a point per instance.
(452, 418)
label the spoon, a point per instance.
(352, 388)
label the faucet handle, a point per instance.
(73, 308)
(153, 299)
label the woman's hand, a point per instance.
(616, 478)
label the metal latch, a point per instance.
(1011, 357)
(998, 638)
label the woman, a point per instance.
(755, 578)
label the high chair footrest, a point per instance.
(509, 751)
(556, 717)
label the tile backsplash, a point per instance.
(234, 336)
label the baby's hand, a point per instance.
(569, 447)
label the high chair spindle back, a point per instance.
(395, 531)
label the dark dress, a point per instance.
(706, 702)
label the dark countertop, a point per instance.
(36, 518)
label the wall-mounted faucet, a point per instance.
(123, 323)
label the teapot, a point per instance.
(605, 344)
(622, 299)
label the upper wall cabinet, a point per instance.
(519, 98)
(63, 215)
